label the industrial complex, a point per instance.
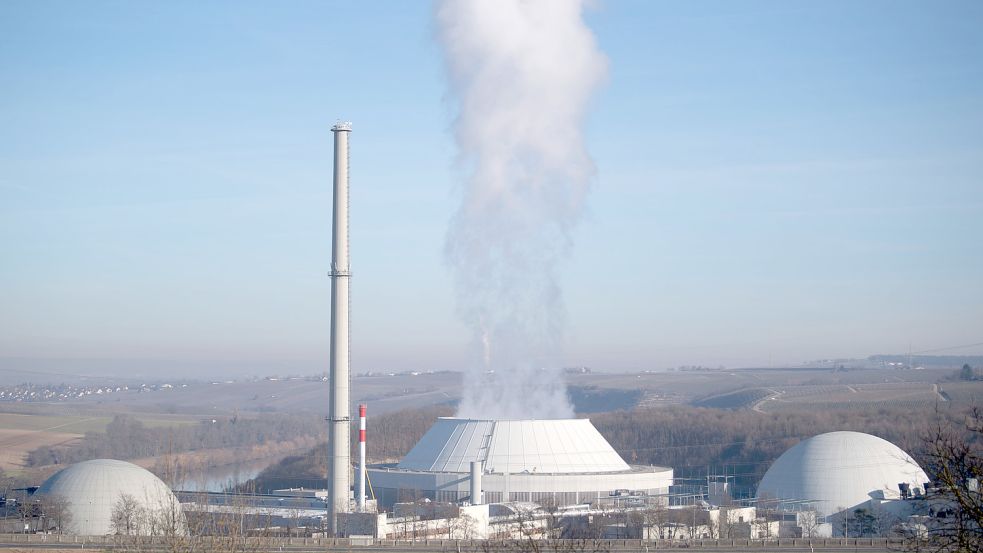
(509, 478)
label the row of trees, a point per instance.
(968, 373)
(128, 438)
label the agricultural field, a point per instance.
(765, 390)
(851, 397)
(15, 445)
(747, 398)
(787, 390)
(27, 427)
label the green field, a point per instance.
(73, 424)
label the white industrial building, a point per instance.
(838, 472)
(559, 462)
(90, 491)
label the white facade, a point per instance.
(465, 523)
(566, 462)
(92, 489)
(838, 471)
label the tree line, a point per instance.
(128, 438)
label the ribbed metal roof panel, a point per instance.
(514, 446)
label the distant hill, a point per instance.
(954, 361)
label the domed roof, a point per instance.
(840, 470)
(92, 490)
(514, 446)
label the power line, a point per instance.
(947, 349)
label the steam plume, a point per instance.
(522, 73)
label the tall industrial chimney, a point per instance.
(339, 463)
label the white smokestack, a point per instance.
(339, 462)
(522, 73)
(476, 470)
(361, 457)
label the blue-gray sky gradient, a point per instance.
(775, 182)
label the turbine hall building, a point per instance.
(560, 462)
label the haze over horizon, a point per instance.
(774, 183)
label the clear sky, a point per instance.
(776, 182)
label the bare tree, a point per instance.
(28, 511)
(463, 527)
(657, 517)
(809, 522)
(762, 527)
(127, 516)
(955, 466)
(166, 519)
(56, 513)
(230, 530)
(725, 526)
(694, 523)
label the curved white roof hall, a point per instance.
(514, 446)
(91, 490)
(839, 470)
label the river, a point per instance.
(216, 479)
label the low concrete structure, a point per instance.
(729, 522)
(446, 521)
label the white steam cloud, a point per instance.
(522, 73)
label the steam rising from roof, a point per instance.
(521, 74)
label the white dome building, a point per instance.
(91, 491)
(562, 460)
(839, 471)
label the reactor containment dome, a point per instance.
(565, 461)
(91, 490)
(838, 471)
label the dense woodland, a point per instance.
(128, 438)
(694, 441)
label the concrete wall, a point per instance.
(392, 486)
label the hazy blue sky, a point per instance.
(775, 180)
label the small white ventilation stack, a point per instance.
(476, 483)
